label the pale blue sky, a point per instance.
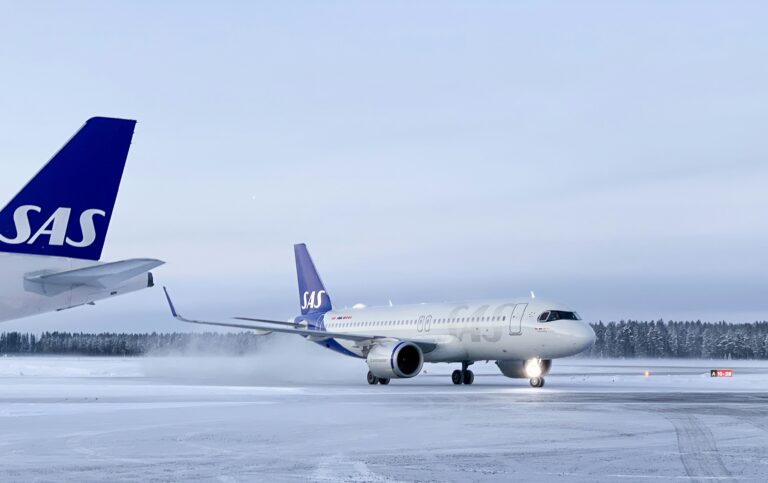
(609, 155)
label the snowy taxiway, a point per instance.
(278, 417)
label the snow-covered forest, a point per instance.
(719, 340)
(625, 339)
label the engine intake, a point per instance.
(395, 360)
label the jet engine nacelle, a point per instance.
(395, 360)
(525, 369)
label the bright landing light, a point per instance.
(533, 368)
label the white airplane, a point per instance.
(521, 335)
(52, 232)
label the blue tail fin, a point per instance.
(65, 209)
(312, 295)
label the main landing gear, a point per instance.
(537, 382)
(377, 380)
(463, 376)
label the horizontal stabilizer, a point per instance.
(104, 275)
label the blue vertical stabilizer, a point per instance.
(65, 209)
(312, 295)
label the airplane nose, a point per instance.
(585, 336)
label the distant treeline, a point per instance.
(625, 339)
(706, 340)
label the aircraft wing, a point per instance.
(265, 329)
(278, 322)
(103, 275)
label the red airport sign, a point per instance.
(721, 373)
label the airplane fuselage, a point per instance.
(481, 330)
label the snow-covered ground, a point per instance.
(301, 413)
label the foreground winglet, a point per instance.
(258, 330)
(170, 303)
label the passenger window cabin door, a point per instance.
(516, 319)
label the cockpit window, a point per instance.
(552, 315)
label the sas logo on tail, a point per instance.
(312, 300)
(55, 228)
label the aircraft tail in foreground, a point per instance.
(66, 208)
(52, 232)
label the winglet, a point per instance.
(170, 303)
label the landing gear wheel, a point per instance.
(383, 381)
(468, 377)
(456, 377)
(372, 379)
(537, 382)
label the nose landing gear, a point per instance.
(463, 376)
(537, 382)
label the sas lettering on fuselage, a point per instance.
(312, 300)
(471, 333)
(55, 227)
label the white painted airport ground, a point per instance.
(298, 413)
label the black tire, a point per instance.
(384, 380)
(468, 377)
(456, 377)
(372, 379)
(536, 382)
(542, 382)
